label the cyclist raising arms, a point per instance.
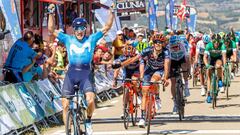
(216, 51)
(199, 59)
(154, 63)
(179, 58)
(80, 50)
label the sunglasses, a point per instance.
(174, 47)
(157, 42)
(80, 29)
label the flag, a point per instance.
(152, 15)
(171, 4)
(167, 17)
(192, 20)
(181, 14)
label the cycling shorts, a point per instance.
(131, 72)
(148, 73)
(213, 60)
(78, 75)
(176, 64)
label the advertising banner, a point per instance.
(10, 13)
(6, 123)
(131, 6)
(41, 98)
(13, 103)
(33, 108)
(47, 87)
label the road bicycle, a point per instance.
(179, 89)
(130, 103)
(76, 117)
(150, 104)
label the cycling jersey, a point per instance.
(215, 52)
(151, 62)
(20, 55)
(231, 48)
(80, 52)
(123, 58)
(200, 47)
(179, 54)
(184, 41)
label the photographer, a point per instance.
(20, 55)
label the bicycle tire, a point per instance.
(71, 125)
(125, 108)
(214, 90)
(134, 114)
(179, 100)
(149, 113)
(227, 79)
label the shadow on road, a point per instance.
(228, 105)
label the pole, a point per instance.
(22, 14)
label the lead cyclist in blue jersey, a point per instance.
(80, 50)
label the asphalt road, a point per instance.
(200, 117)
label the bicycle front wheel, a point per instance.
(180, 100)
(135, 109)
(149, 112)
(126, 108)
(214, 91)
(71, 126)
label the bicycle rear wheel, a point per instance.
(135, 109)
(180, 100)
(126, 108)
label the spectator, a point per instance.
(118, 45)
(132, 35)
(126, 33)
(139, 44)
(19, 56)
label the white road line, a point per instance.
(62, 132)
(169, 132)
(115, 101)
(104, 108)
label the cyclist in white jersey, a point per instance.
(199, 59)
(179, 58)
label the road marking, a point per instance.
(137, 132)
(113, 102)
(104, 108)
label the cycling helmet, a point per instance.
(79, 24)
(216, 38)
(159, 37)
(221, 34)
(227, 38)
(206, 38)
(174, 40)
(129, 51)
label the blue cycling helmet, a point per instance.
(79, 24)
(206, 38)
(174, 40)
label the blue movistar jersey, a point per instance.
(154, 63)
(20, 55)
(80, 52)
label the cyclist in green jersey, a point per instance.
(231, 48)
(216, 51)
